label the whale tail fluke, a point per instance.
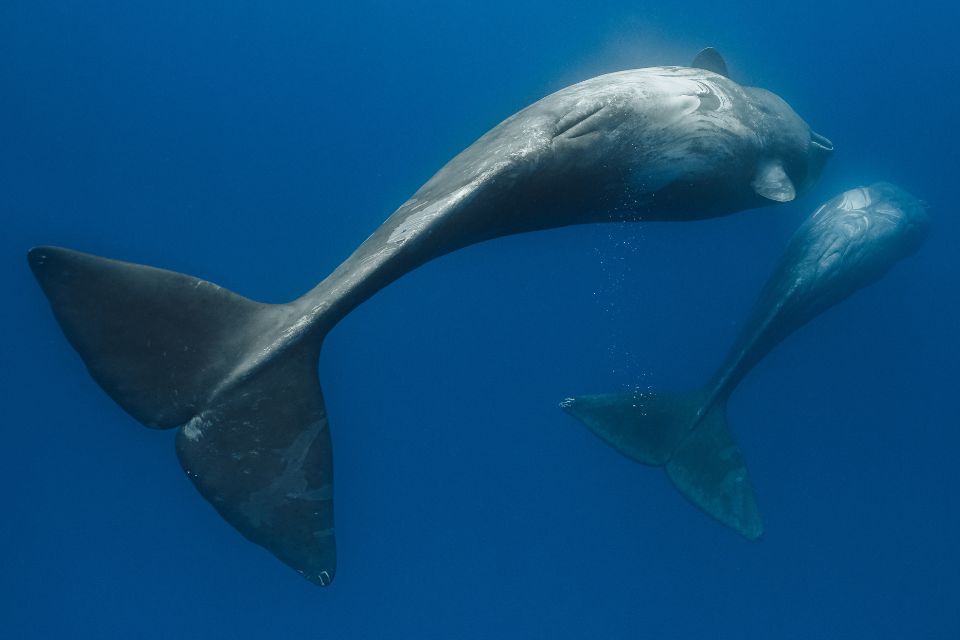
(174, 350)
(699, 454)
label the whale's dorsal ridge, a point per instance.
(710, 59)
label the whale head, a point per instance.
(791, 155)
(855, 238)
(896, 221)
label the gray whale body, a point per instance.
(847, 243)
(240, 377)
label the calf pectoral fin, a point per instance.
(772, 182)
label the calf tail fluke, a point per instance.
(174, 350)
(697, 451)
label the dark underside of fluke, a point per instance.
(698, 453)
(177, 351)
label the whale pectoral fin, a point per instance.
(710, 60)
(708, 469)
(772, 182)
(261, 455)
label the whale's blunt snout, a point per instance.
(820, 143)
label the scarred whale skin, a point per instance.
(240, 377)
(663, 143)
(848, 243)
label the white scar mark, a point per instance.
(296, 327)
(291, 482)
(420, 218)
(193, 430)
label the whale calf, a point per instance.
(239, 378)
(848, 243)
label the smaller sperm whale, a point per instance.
(848, 243)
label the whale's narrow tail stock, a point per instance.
(174, 350)
(698, 453)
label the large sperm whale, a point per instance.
(240, 377)
(848, 243)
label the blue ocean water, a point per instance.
(256, 144)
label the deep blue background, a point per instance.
(257, 143)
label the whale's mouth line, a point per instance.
(820, 141)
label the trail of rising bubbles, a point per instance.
(616, 249)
